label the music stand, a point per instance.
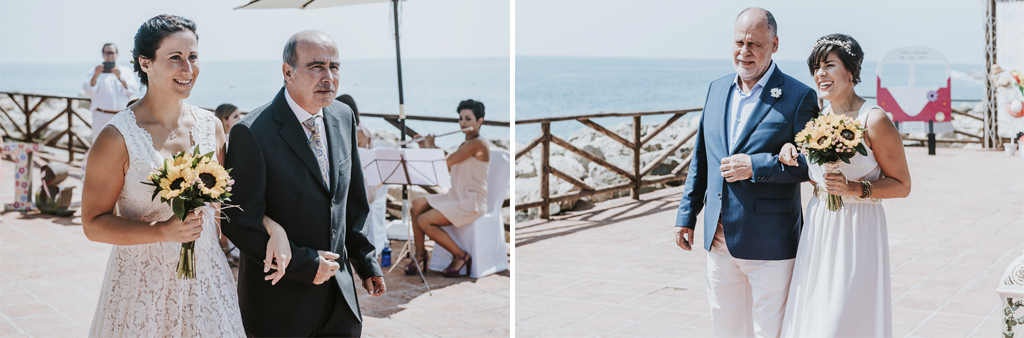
(424, 167)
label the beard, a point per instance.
(750, 74)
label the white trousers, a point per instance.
(99, 120)
(748, 297)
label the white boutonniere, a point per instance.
(776, 92)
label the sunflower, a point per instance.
(830, 120)
(821, 138)
(179, 178)
(184, 160)
(849, 134)
(801, 137)
(212, 177)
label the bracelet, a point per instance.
(865, 186)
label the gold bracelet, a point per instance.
(865, 189)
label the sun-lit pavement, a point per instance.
(615, 270)
(50, 277)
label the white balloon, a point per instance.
(1016, 107)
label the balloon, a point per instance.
(1015, 108)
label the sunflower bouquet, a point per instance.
(186, 182)
(829, 139)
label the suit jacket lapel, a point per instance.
(765, 103)
(292, 133)
(724, 96)
(333, 145)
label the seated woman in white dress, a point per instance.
(463, 203)
(840, 285)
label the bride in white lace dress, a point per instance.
(840, 285)
(141, 295)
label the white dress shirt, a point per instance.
(742, 105)
(302, 115)
(108, 93)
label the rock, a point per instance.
(589, 148)
(568, 166)
(383, 138)
(525, 167)
(500, 143)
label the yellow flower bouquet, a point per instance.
(186, 182)
(829, 139)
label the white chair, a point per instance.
(376, 221)
(484, 239)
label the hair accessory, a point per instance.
(844, 44)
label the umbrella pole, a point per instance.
(401, 119)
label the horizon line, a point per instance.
(682, 58)
(277, 60)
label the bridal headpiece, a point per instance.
(844, 44)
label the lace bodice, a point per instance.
(141, 295)
(135, 201)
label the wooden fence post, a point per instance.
(545, 192)
(636, 158)
(71, 136)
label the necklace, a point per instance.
(158, 121)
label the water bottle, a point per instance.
(385, 257)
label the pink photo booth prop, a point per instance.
(915, 103)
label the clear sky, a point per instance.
(703, 28)
(74, 31)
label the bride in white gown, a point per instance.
(141, 295)
(840, 285)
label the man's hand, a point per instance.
(736, 168)
(375, 286)
(117, 72)
(327, 266)
(788, 155)
(98, 71)
(684, 238)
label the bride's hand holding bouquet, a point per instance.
(187, 182)
(826, 141)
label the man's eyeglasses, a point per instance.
(109, 53)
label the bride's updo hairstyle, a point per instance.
(846, 48)
(152, 33)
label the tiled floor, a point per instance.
(615, 270)
(50, 277)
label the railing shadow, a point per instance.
(576, 221)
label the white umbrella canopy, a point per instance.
(303, 4)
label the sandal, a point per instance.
(412, 269)
(453, 269)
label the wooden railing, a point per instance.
(28, 104)
(637, 176)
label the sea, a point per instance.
(558, 86)
(432, 87)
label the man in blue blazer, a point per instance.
(751, 201)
